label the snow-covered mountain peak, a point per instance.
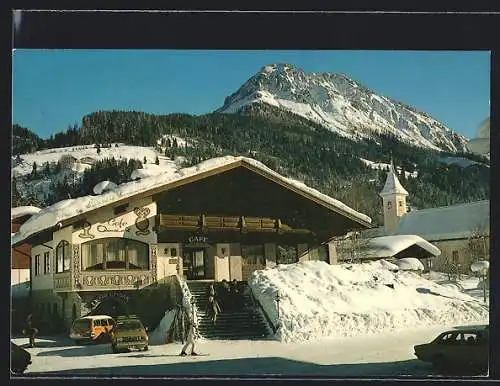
(342, 105)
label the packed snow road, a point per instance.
(381, 355)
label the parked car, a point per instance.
(129, 333)
(464, 349)
(20, 358)
(95, 328)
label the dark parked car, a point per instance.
(464, 350)
(129, 333)
(19, 358)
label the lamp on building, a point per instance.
(481, 267)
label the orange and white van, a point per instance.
(91, 328)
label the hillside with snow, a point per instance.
(341, 105)
(320, 300)
(77, 159)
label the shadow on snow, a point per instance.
(263, 366)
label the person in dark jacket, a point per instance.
(30, 330)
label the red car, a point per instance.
(462, 349)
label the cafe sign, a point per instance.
(197, 241)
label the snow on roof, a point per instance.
(480, 266)
(388, 246)
(447, 222)
(409, 264)
(66, 209)
(392, 184)
(104, 186)
(21, 211)
(95, 317)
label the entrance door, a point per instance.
(196, 264)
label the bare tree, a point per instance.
(477, 244)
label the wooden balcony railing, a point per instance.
(226, 223)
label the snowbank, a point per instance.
(409, 264)
(480, 266)
(159, 335)
(319, 300)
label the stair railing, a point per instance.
(255, 302)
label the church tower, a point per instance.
(394, 199)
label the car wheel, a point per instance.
(145, 348)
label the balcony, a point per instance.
(113, 280)
(225, 223)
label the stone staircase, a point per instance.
(239, 319)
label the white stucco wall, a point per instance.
(222, 262)
(166, 263)
(42, 281)
(235, 264)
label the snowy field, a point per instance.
(382, 355)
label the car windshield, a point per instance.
(130, 325)
(81, 323)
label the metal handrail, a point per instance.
(268, 318)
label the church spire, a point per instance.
(394, 198)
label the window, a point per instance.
(37, 265)
(46, 262)
(454, 255)
(287, 254)
(114, 253)
(173, 252)
(448, 338)
(400, 203)
(389, 204)
(253, 254)
(120, 208)
(63, 257)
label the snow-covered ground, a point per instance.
(320, 300)
(79, 152)
(387, 354)
(376, 337)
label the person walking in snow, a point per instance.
(191, 337)
(213, 307)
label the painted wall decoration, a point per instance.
(114, 225)
(153, 249)
(124, 280)
(76, 264)
(86, 231)
(142, 221)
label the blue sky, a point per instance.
(55, 88)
